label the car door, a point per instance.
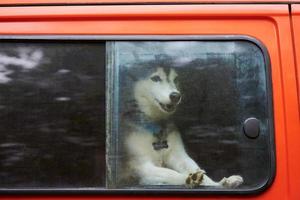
(243, 51)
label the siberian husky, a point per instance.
(153, 145)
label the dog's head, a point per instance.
(157, 94)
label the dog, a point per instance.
(155, 153)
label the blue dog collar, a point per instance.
(157, 129)
(152, 127)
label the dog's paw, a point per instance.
(232, 181)
(194, 179)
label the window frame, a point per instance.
(108, 106)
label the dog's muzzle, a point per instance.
(175, 97)
(168, 107)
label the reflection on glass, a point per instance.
(177, 115)
(52, 114)
(174, 115)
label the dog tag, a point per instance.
(251, 127)
(160, 145)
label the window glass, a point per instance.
(135, 115)
(188, 114)
(52, 101)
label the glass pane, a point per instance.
(177, 111)
(52, 101)
(177, 115)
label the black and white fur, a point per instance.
(155, 98)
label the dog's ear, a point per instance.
(128, 73)
(131, 75)
(137, 72)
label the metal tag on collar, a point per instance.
(160, 145)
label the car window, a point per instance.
(183, 108)
(137, 115)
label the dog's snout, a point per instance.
(175, 97)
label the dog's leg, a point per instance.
(232, 181)
(184, 164)
(177, 158)
(181, 162)
(144, 162)
(152, 175)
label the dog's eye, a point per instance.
(156, 78)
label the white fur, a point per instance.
(148, 93)
(170, 166)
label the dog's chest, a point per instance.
(159, 150)
(143, 145)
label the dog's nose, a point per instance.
(175, 97)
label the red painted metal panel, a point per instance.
(24, 2)
(268, 23)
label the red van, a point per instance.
(119, 99)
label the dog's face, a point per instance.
(158, 95)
